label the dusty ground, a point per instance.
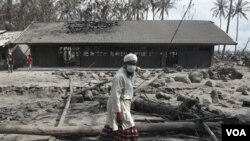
(35, 98)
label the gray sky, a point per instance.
(201, 11)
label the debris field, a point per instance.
(205, 98)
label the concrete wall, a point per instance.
(150, 61)
(117, 61)
(188, 57)
(102, 61)
(195, 57)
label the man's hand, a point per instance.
(119, 118)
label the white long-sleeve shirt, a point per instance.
(120, 100)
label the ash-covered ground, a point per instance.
(37, 98)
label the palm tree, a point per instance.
(153, 7)
(9, 9)
(120, 9)
(228, 24)
(137, 9)
(240, 8)
(243, 51)
(146, 5)
(163, 7)
(220, 10)
(129, 10)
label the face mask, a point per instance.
(131, 68)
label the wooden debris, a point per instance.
(143, 105)
(64, 113)
(218, 117)
(64, 75)
(246, 103)
(94, 87)
(94, 130)
(210, 132)
(77, 99)
(193, 137)
(207, 129)
(187, 103)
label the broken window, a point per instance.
(69, 56)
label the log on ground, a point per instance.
(246, 103)
(94, 130)
(146, 106)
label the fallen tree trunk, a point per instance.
(146, 106)
(94, 130)
(66, 107)
(213, 118)
(209, 131)
(64, 113)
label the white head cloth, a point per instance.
(130, 57)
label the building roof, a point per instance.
(8, 37)
(144, 32)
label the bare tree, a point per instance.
(9, 14)
(243, 51)
(228, 24)
(66, 9)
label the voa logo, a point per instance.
(236, 132)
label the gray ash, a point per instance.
(89, 26)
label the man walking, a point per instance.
(120, 125)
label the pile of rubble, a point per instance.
(242, 59)
(90, 26)
(205, 97)
(25, 113)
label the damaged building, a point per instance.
(103, 44)
(6, 40)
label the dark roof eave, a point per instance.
(79, 43)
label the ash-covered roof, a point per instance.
(144, 32)
(8, 37)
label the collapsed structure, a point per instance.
(6, 39)
(103, 44)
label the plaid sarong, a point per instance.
(130, 134)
